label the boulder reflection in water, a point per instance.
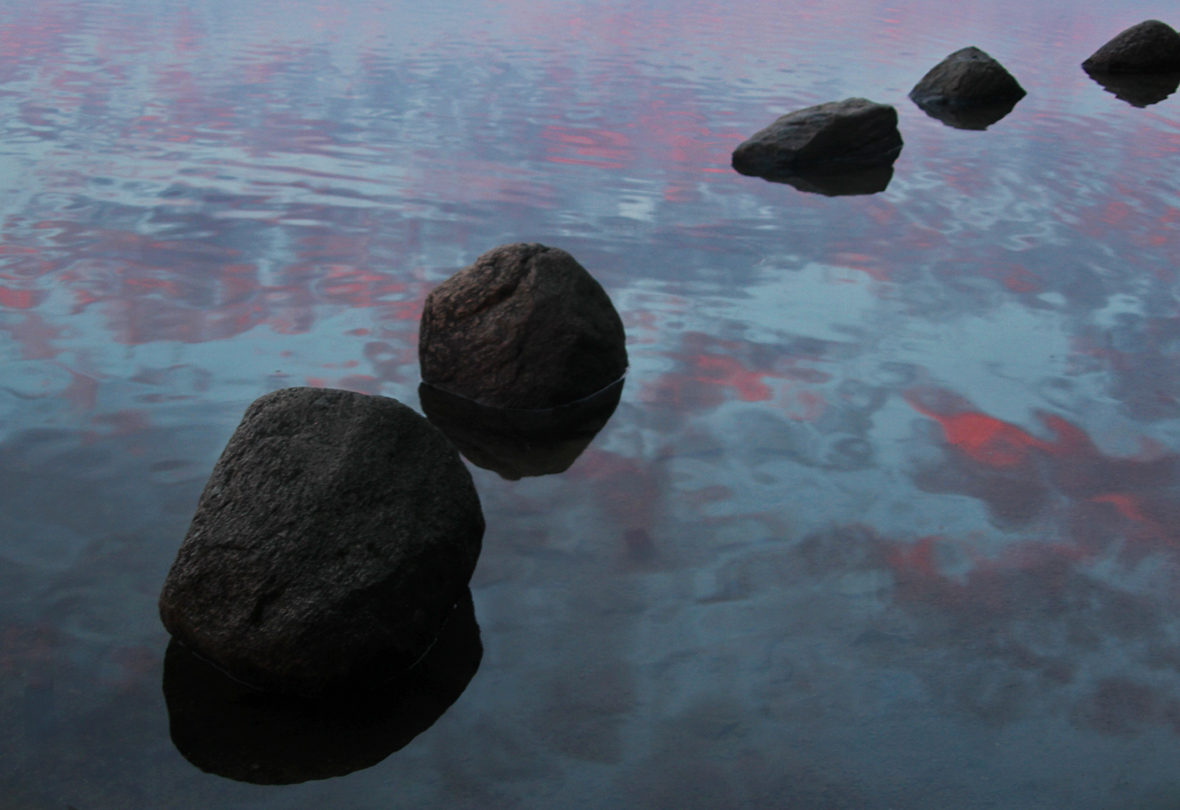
(232, 730)
(1138, 89)
(976, 117)
(869, 181)
(520, 443)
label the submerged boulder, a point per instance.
(335, 534)
(1149, 47)
(229, 729)
(841, 136)
(968, 77)
(520, 443)
(525, 326)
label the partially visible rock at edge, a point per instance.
(1149, 47)
(334, 535)
(525, 326)
(968, 77)
(834, 138)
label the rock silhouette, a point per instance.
(334, 535)
(967, 90)
(1149, 47)
(517, 443)
(968, 76)
(1139, 89)
(525, 326)
(227, 728)
(839, 137)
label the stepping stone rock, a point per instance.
(1149, 47)
(226, 728)
(833, 138)
(519, 443)
(333, 538)
(524, 327)
(968, 77)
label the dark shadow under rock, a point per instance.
(232, 730)
(848, 184)
(975, 117)
(520, 443)
(333, 537)
(1149, 47)
(839, 137)
(1139, 89)
(525, 326)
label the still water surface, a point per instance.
(888, 517)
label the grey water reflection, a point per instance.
(885, 516)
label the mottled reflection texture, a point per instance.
(885, 517)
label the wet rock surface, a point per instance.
(834, 138)
(1149, 47)
(525, 326)
(519, 443)
(229, 729)
(334, 535)
(968, 77)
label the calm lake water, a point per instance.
(888, 516)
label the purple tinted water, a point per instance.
(887, 517)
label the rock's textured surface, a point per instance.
(968, 77)
(840, 136)
(332, 539)
(518, 443)
(524, 327)
(229, 729)
(1149, 47)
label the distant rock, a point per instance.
(1139, 89)
(1149, 47)
(834, 138)
(519, 443)
(525, 326)
(331, 541)
(968, 77)
(229, 729)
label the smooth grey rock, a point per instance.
(1149, 47)
(232, 730)
(833, 138)
(968, 77)
(525, 326)
(334, 535)
(520, 443)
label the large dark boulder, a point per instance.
(1149, 47)
(332, 539)
(524, 327)
(229, 729)
(833, 138)
(520, 443)
(968, 77)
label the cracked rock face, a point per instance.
(838, 137)
(1149, 47)
(524, 327)
(336, 533)
(967, 77)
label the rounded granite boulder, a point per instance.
(334, 536)
(525, 326)
(967, 77)
(1149, 47)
